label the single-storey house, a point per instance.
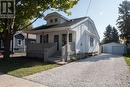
(114, 48)
(63, 37)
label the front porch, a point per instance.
(53, 45)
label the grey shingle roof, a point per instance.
(65, 24)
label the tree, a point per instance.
(110, 35)
(115, 36)
(123, 20)
(26, 10)
(107, 35)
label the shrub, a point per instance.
(128, 51)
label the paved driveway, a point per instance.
(100, 71)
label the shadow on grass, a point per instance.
(7, 65)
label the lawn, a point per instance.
(127, 59)
(21, 67)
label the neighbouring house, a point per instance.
(19, 42)
(114, 48)
(62, 37)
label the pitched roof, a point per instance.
(65, 24)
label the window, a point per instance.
(46, 38)
(51, 21)
(91, 42)
(1, 44)
(19, 42)
(40, 38)
(70, 37)
(64, 38)
(56, 19)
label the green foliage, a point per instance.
(127, 59)
(26, 10)
(128, 51)
(123, 20)
(110, 35)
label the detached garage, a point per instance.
(114, 48)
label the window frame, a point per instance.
(46, 38)
(70, 37)
(41, 39)
(91, 41)
(51, 20)
(56, 19)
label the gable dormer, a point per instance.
(55, 18)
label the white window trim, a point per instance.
(91, 43)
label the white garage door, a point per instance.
(117, 50)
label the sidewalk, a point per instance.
(10, 81)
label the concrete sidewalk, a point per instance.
(11, 81)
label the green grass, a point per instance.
(127, 59)
(21, 67)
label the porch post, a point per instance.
(44, 55)
(67, 47)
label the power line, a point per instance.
(88, 7)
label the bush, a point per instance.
(128, 51)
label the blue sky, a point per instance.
(102, 12)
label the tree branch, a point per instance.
(29, 24)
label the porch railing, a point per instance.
(41, 50)
(71, 49)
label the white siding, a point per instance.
(83, 34)
(53, 17)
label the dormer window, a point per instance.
(51, 21)
(56, 19)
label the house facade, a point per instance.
(19, 42)
(64, 36)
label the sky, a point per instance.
(102, 12)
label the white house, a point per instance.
(64, 36)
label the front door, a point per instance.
(56, 40)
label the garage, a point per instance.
(114, 48)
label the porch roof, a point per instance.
(62, 25)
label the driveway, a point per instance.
(104, 70)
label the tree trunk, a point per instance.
(6, 42)
(6, 49)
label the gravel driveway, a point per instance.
(104, 70)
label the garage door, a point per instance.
(117, 50)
